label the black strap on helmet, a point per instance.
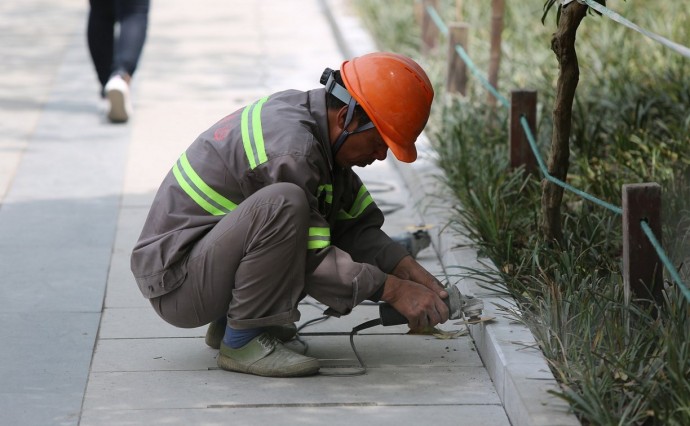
(337, 90)
(332, 86)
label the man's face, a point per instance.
(362, 149)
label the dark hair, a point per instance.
(334, 103)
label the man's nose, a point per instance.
(381, 153)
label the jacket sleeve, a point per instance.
(358, 230)
(332, 276)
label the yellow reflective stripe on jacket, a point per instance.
(361, 202)
(318, 238)
(205, 196)
(252, 133)
(328, 188)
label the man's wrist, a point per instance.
(378, 294)
(402, 269)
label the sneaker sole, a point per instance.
(118, 110)
(306, 368)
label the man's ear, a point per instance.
(340, 118)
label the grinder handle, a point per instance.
(389, 316)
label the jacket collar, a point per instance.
(317, 109)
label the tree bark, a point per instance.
(563, 45)
(497, 12)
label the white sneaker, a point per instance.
(117, 92)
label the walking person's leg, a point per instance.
(100, 38)
(132, 16)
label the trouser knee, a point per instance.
(292, 198)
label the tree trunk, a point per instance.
(497, 12)
(563, 45)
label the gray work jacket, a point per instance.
(279, 138)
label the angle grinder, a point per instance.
(459, 307)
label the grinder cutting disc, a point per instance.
(475, 320)
(454, 303)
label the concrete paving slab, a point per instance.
(139, 323)
(44, 365)
(22, 93)
(395, 351)
(159, 354)
(123, 292)
(163, 354)
(364, 414)
(130, 222)
(202, 388)
(41, 286)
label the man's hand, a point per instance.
(410, 269)
(421, 306)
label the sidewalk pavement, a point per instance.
(80, 345)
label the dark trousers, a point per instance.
(119, 52)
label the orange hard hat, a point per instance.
(396, 94)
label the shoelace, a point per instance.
(267, 341)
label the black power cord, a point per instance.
(362, 368)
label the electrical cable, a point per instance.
(386, 207)
(391, 207)
(362, 369)
(358, 371)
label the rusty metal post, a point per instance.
(456, 79)
(430, 32)
(522, 102)
(642, 269)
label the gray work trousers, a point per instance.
(250, 266)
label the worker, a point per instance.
(264, 208)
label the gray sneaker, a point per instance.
(216, 332)
(264, 355)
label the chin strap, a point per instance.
(348, 119)
(341, 93)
